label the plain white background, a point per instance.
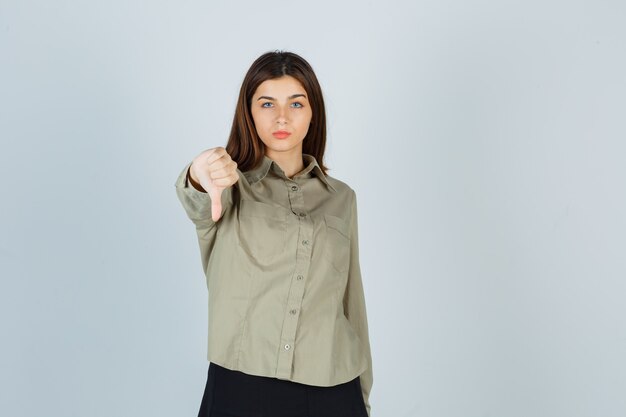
(485, 141)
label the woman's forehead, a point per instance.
(282, 87)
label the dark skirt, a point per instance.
(231, 393)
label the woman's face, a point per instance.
(281, 105)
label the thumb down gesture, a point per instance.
(214, 171)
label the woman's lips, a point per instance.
(281, 134)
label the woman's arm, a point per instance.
(354, 303)
(196, 201)
(197, 205)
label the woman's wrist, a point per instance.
(193, 183)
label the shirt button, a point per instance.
(299, 277)
(287, 347)
(294, 187)
(302, 214)
(293, 311)
(305, 242)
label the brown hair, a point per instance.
(244, 145)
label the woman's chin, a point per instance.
(281, 145)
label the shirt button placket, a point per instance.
(296, 291)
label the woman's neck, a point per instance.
(290, 162)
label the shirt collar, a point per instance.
(310, 166)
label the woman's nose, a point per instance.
(282, 116)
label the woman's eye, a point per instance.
(269, 104)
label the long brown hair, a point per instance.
(244, 145)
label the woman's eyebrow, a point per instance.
(290, 97)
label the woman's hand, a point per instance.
(214, 171)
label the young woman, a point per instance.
(278, 236)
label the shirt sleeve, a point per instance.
(354, 303)
(197, 205)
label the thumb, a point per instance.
(215, 193)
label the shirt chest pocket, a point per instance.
(262, 229)
(337, 247)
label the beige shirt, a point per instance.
(285, 294)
